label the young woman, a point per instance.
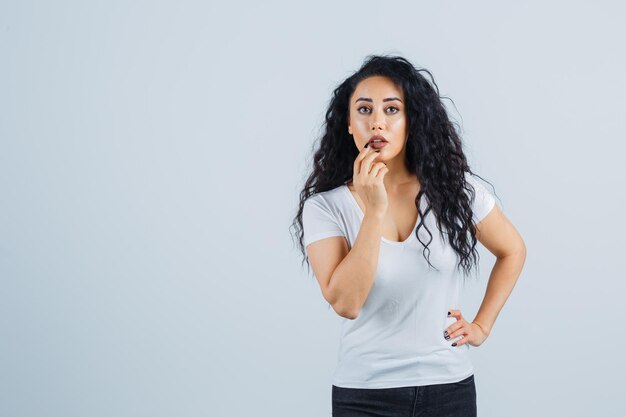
(389, 220)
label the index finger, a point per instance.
(359, 158)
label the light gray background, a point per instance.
(150, 159)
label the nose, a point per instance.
(377, 120)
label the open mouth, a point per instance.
(377, 143)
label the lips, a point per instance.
(377, 145)
(377, 137)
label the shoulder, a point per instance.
(329, 198)
(323, 216)
(482, 200)
(476, 184)
(470, 178)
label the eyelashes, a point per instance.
(388, 108)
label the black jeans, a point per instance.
(456, 399)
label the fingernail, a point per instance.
(453, 344)
(367, 144)
(448, 313)
(447, 337)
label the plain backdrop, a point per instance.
(151, 156)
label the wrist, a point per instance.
(484, 328)
(377, 216)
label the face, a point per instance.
(377, 108)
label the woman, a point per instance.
(389, 218)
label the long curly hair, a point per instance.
(433, 152)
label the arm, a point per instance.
(501, 238)
(346, 279)
(346, 276)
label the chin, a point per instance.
(383, 155)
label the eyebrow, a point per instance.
(370, 100)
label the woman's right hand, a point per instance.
(367, 179)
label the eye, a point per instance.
(396, 110)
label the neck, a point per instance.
(397, 175)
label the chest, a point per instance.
(401, 217)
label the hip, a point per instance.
(444, 400)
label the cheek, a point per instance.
(400, 124)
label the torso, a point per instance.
(401, 217)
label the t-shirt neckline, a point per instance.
(362, 215)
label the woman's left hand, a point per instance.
(472, 332)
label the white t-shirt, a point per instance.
(397, 339)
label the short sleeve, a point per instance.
(318, 221)
(483, 200)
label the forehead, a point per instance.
(377, 87)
